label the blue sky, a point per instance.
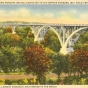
(46, 13)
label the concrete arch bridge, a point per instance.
(67, 34)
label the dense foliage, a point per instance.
(82, 42)
(12, 46)
(36, 60)
(19, 53)
(79, 59)
(51, 41)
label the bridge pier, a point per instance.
(63, 50)
(13, 29)
(35, 39)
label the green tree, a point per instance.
(51, 41)
(23, 32)
(27, 37)
(8, 30)
(9, 39)
(1, 31)
(82, 42)
(5, 39)
(59, 64)
(10, 59)
(15, 40)
(12, 46)
(49, 52)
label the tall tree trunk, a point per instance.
(74, 73)
(58, 76)
(69, 73)
(41, 79)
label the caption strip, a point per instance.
(43, 2)
(45, 86)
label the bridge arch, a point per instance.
(53, 31)
(73, 34)
(64, 46)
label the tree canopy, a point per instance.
(36, 60)
(51, 41)
(79, 59)
(82, 42)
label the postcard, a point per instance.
(43, 44)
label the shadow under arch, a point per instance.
(73, 34)
(53, 31)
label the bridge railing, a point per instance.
(36, 23)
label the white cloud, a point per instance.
(84, 16)
(2, 13)
(48, 15)
(73, 11)
(63, 13)
(25, 15)
(38, 15)
(14, 14)
(70, 19)
(68, 13)
(66, 17)
(20, 13)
